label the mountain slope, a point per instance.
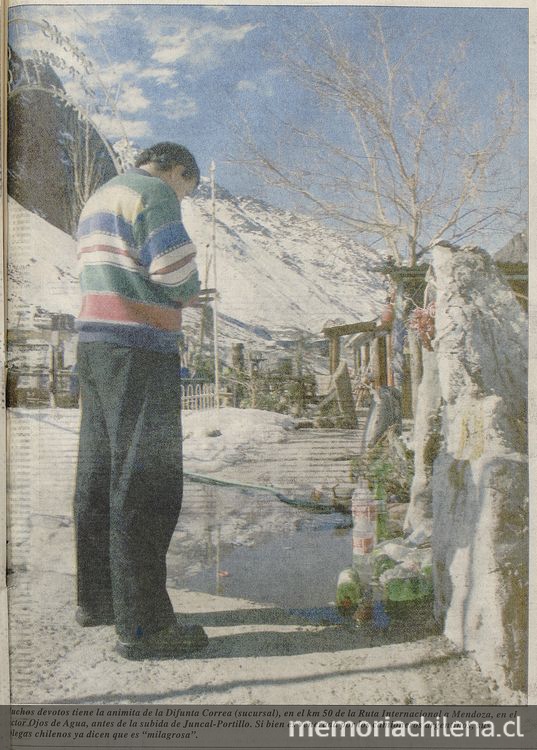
(280, 270)
(278, 274)
(42, 270)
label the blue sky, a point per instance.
(192, 73)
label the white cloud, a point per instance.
(25, 45)
(116, 72)
(76, 92)
(160, 74)
(276, 72)
(263, 87)
(82, 27)
(179, 106)
(245, 85)
(132, 99)
(62, 58)
(171, 51)
(101, 14)
(197, 44)
(111, 127)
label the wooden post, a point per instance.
(237, 357)
(52, 375)
(237, 361)
(54, 362)
(334, 352)
(389, 356)
(215, 300)
(334, 333)
(358, 358)
(374, 362)
(383, 374)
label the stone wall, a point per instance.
(474, 420)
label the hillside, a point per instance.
(282, 271)
(279, 274)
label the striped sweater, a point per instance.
(136, 264)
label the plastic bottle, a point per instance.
(364, 515)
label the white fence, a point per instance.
(198, 396)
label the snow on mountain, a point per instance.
(279, 274)
(42, 273)
(280, 270)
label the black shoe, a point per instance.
(173, 642)
(90, 619)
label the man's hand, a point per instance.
(203, 296)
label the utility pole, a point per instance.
(215, 303)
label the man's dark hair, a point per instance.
(167, 155)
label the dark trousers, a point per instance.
(129, 483)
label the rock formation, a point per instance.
(479, 486)
(427, 437)
(385, 411)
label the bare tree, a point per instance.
(87, 161)
(408, 162)
(83, 162)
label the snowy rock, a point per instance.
(397, 552)
(480, 475)
(408, 557)
(345, 399)
(515, 251)
(419, 536)
(214, 439)
(385, 412)
(419, 518)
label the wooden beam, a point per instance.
(345, 330)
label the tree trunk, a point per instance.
(416, 367)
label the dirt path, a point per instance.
(258, 653)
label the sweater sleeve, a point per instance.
(167, 251)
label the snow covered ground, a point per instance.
(260, 651)
(215, 439)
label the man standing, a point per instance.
(137, 271)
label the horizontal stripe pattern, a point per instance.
(110, 240)
(141, 337)
(175, 265)
(106, 225)
(99, 254)
(114, 308)
(166, 240)
(180, 275)
(129, 284)
(136, 263)
(181, 254)
(116, 194)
